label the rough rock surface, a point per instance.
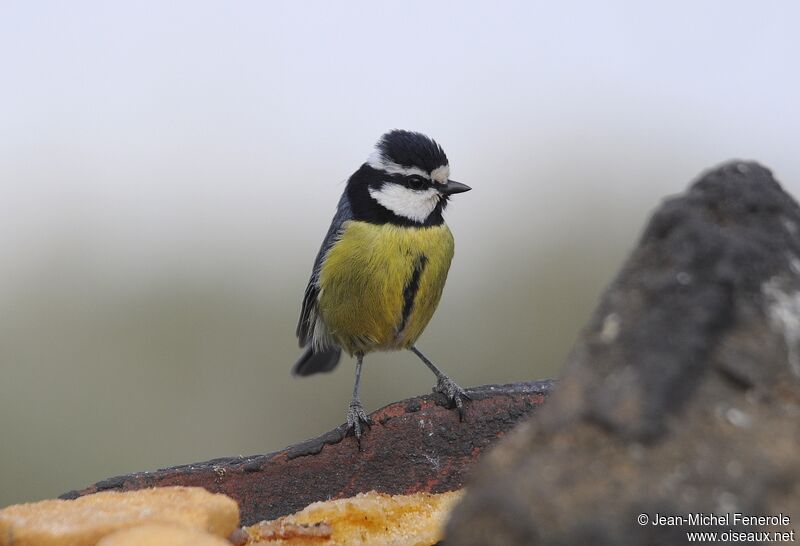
(682, 394)
(414, 445)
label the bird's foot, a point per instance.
(452, 392)
(356, 417)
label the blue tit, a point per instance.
(380, 272)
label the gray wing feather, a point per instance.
(308, 314)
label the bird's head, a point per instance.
(406, 181)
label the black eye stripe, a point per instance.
(416, 182)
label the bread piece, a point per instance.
(161, 534)
(85, 520)
(375, 519)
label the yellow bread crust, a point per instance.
(85, 520)
(374, 519)
(161, 534)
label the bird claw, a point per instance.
(355, 417)
(453, 393)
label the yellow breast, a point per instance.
(380, 284)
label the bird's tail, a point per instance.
(312, 362)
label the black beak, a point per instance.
(454, 187)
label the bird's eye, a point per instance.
(415, 182)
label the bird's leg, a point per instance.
(355, 414)
(444, 384)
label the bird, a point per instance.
(379, 274)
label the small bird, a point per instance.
(380, 272)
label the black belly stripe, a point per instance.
(411, 289)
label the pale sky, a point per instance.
(144, 122)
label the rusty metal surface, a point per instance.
(413, 445)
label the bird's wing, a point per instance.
(308, 314)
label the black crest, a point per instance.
(411, 149)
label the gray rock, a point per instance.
(682, 395)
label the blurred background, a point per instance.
(168, 171)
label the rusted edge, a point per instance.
(414, 445)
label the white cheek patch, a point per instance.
(412, 204)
